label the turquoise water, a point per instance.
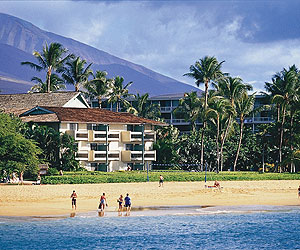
(215, 228)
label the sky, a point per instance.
(255, 38)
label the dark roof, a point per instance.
(30, 100)
(85, 115)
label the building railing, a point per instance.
(165, 109)
(258, 120)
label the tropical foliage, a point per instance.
(51, 59)
(75, 73)
(141, 106)
(17, 153)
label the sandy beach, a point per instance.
(43, 200)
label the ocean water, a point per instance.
(193, 228)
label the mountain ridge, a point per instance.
(25, 36)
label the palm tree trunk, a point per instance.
(202, 146)
(77, 87)
(291, 139)
(223, 142)
(204, 124)
(49, 80)
(240, 143)
(217, 146)
(281, 137)
(99, 101)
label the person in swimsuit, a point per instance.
(128, 202)
(103, 202)
(161, 181)
(74, 197)
(299, 191)
(120, 202)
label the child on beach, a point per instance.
(103, 202)
(74, 197)
(120, 202)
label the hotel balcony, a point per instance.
(81, 136)
(97, 136)
(100, 136)
(82, 155)
(128, 156)
(101, 156)
(130, 136)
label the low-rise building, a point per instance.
(107, 141)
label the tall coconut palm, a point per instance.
(217, 108)
(99, 87)
(76, 74)
(231, 88)
(204, 71)
(244, 106)
(190, 107)
(289, 82)
(119, 93)
(51, 59)
(56, 84)
(141, 106)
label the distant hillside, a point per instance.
(18, 39)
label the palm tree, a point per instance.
(75, 73)
(141, 106)
(204, 71)
(218, 107)
(98, 87)
(56, 84)
(190, 107)
(231, 88)
(119, 93)
(244, 106)
(51, 59)
(286, 92)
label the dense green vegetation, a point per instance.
(141, 176)
(17, 153)
(223, 140)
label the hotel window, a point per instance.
(73, 126)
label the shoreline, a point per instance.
(54, 200)
(164, 211)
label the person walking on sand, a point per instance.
(103, 202)
(74, 197)
(161, 181)
(127, 203)
(299, 192)
(120, 202)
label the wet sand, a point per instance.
(48, 200)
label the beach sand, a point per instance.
(46, 200)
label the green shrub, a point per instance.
(141, 176)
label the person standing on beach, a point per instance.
(127, 203)
(161, 181)
(299, 192)
(120, 202)
(74, 197)
(103, 202)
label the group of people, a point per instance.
(103, 202)
(10, 178)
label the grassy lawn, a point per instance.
(141, 176)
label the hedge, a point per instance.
(141, 176)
